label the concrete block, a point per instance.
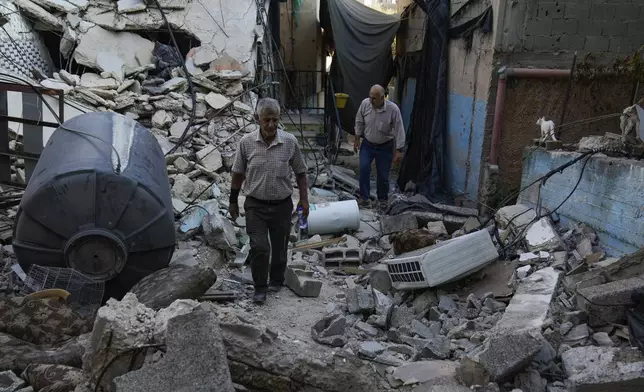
(396, 223)
(360, 300)
(613, 293)
(554, 10)
(595, 369)
(336, 256)
(577, 11)
(519, 214)
(301, 281)
(613, 28)
(539, 26)
(602, 12)
(624, 12)
(564, 26)
(597, 43)
(528, 309)
(330, 331)
(194, 345)
(542, 235)
(379, 278)
(500, 357)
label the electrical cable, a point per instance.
(225, 107)
(117, 169)
(539, 215)
(191, 87)
(119, 355)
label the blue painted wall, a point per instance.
(407, 102)
(465, 135)
(608, 198)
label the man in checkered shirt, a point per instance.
(263, 164)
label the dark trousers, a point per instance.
(384, 155)
(264, 219)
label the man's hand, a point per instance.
(233, 209)
(356, 144)
(398, 156)
(305, 208)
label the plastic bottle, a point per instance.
(304, 225)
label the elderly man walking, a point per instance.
(379, 122)
(263, 165)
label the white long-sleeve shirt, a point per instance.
(381, 125)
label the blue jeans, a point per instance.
(384, 155)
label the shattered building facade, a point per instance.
(539, 296)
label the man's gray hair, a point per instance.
(379, 88)
(267, 105)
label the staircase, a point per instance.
(312, 125)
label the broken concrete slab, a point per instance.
(360, 300)
(183, 187)
(613, 293)
(194, 345)
(425, 371)
(518, 216)
(542, 235)
(125, 6)
(43, 19)
(119, 326)
(92, 80)
(499, 358)
(219, 232)
(112, 64)
(397, 223)
(257, 358)
(301, 281)
(530, 304)
(163, 287)
(370, 349)
(594, 369)
(210, 158)
(132, 48)
(56, 85)
(330, 331)
(437, 228)
(217, 101)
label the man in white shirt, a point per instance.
(379, 122)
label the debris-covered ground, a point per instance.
(419, 296)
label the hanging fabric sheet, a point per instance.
(362, 38)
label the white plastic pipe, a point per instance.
(334, 217)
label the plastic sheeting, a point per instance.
(424, 161)
(363, 57)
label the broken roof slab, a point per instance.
(230, 30)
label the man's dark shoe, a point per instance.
(365, 203)
(259, 297)
(274, 287)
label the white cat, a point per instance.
(547, 129)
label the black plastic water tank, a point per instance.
(80, 212)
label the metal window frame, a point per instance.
(5, 152)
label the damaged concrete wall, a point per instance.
(529, 99)
(608, 198)
(469, 78)
(22, 48)
(546, 26)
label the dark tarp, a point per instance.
(424, 161)
(362, 58)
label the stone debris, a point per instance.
(604, 368)
(301, 281)
(194, 345)
(330, 331)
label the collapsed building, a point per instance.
(421, 296)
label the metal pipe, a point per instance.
(504, 73)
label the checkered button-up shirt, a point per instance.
(267, 168)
